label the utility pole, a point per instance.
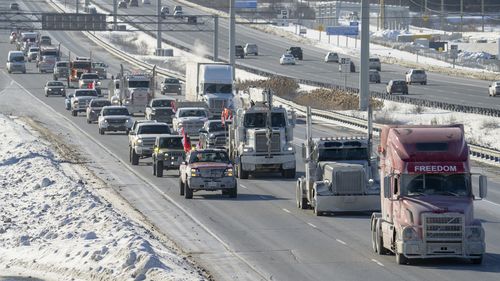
(442, 15)
(364, 86)
(158, 33)
(216, 38)
(115, 11)
(482, 15)
(461, 15)
(77, 6)
(382, 14)
(232, 34)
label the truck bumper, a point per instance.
(210, 184)
(351, 203)
(418, 249)
(144, 150)
(264, 163)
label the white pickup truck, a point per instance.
(81, 100)
(160, 109)
(142, 139)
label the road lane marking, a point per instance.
(341, 242)
(243, 186)
(286, 210)
(312, 225)
(377, 262)
(496, 204)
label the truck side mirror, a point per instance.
(294, 118)
(483, 186)
(387, 187)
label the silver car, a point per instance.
(251, 49)
(94, 109)
(416, 76)
(55, 88)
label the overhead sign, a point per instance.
(454, 51)
(342, 30)
(73, 21)
(242, 4)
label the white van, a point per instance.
(15, 62)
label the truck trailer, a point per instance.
(427, 195)
(211, 83)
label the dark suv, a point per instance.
(397, 86)
(296, 52)
(239, 51)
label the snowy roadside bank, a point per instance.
(56, 227)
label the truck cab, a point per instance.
(143, 138)
(160, 109)
(168, 153)
(427, 195)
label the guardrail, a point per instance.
(479, 152)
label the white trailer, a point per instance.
(211, 83)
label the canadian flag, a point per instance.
(227, 115)
(185, 141)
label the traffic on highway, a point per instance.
(288, 195)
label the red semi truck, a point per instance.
(427, 195)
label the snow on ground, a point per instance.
(53, 226)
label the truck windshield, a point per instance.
(172, 143)
(81, 64)
(100, 103)
(436, 184)
(217, 126)
(218, 88)
(193, 113)
(335, 154)
(89, 76)
(259, 120)
(161, 103)
(138, 84)
(209, 156)
(85, 94)
(114, 111)
(153, 130)
(52, 53)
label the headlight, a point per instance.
(139, 141)
(409, 233)
(75, 101)
(128, 120)
(228, 172)
(195, 172)
(474, 234)
(288, 148)
(166, 154)
(247, 149)
(50, 89)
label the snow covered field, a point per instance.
(55, 226)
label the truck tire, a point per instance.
(289, 173)
(181, 187)
(478, 260)
(154, 167)
(159, 169)
(134, 159)
(299, 196)
(188, 194)
(74, 113)
(316, 211)
(401, 259)
(242, 174)
(379, 243)
(233, 193)
(55, 77)
(101, 131)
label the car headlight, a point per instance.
(228, 172)
(247, 149)
(195, 172)
(474, 234)
(288, 148)
(409, 233)
(127, 121)
(139, 141)
(50, 90)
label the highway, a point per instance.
(440, 87)
(267, 236)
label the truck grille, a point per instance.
(193, 127)
(443, 227)
(148, 142)
(116, 121)
(83, 103)
(220, 141)
(349, 182)
(261, 142)
(212, 173)
(217, 103)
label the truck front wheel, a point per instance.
(478, 260)
(242, 174)
(188, 192)
(299, 196)
(74, 113)
(233, 193)
(289, 173)
(134, 159)
(401, 259)
(181, 187)
(379, 243)
(159, 169)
